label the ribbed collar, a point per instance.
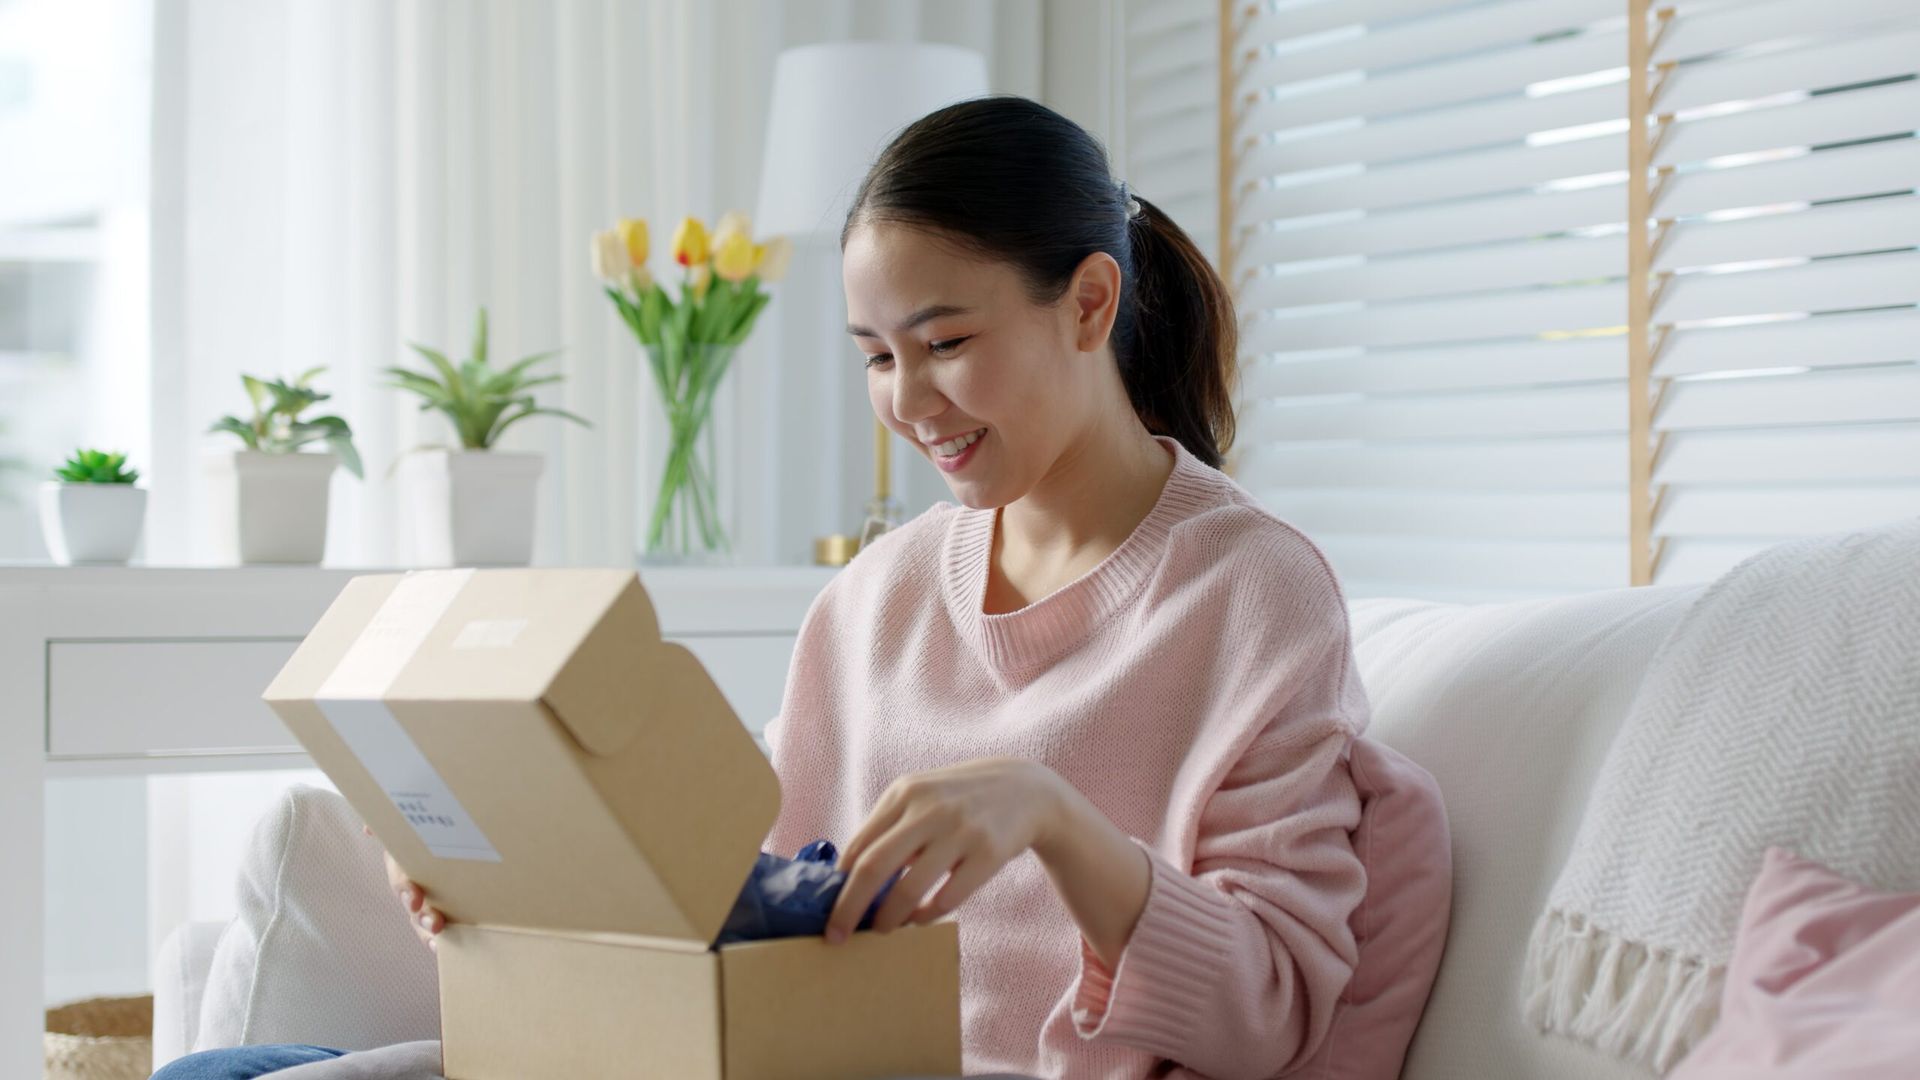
(1047, 628)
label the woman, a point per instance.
(1106, 656)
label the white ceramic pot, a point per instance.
(91, 523)
(269, 508)
(473, 507)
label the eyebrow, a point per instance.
(934, 311)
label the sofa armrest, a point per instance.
(179, 981)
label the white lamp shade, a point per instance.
(835, 107)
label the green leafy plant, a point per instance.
(97, 467)
(480, 400)
(276, 426)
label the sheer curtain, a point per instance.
(332, 179)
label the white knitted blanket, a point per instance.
(1783, 708)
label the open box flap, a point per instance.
(570, 745)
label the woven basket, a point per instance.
(108, 1038)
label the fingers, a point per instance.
(962, 882)
(920, 878)
(427, 923)
(426, 920)
(869, 872)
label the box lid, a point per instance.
(531, 751)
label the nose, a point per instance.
(914, 395)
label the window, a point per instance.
(1470, 374)
(73, 91)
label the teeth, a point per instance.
(954, 446)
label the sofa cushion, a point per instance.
(1511, 706)
(1824, 982)
(1400, 926)
(319, 950)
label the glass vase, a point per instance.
(684, 526)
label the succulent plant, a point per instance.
(276, 427)
(97, 467)
(480, 400)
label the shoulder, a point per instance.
(1245, 543)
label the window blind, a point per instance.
(1171, 133)
(1470, 374)
(1427, 205)
(1782, 275)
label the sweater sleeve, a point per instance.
(1236, 962)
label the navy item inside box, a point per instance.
(792, 897)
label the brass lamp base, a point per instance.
(835, 550)
(883, 510)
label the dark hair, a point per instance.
(1011, 179)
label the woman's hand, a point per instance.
(966, 821)
(426, 920)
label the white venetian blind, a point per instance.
(1171, 86)
(1427, 204)
(1785, 273)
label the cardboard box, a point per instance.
(579, 799)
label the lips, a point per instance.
(957, 460)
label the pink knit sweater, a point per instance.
(1198, 687)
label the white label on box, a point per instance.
(489, 634)
(404, 773)
(352, 697)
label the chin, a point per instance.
(975, 496)
(972, 496)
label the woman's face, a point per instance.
(987, 385)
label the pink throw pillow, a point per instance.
(1401, 925)
(1824, 982)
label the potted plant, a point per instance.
(92, 513)
(474, 506)
(270, 499)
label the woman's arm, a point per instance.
(1232, 968)
(1100, 873)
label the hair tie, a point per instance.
(1133, 204)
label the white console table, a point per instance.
(134, 670)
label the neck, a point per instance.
(1090, 501)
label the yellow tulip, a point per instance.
(633, 233)
(690, 243)
(733, 256)
(772, 257)
(610, 262)
(700, 281)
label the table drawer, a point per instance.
(146, 698)
(120, 699)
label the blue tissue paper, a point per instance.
(792, 897)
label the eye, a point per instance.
(937, 348)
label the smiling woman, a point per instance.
(1106, 654)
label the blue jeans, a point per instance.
(243, 1062)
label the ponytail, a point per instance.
(1177, 351)
(1017, 181)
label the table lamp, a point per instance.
(835, 107)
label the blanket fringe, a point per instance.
(1646, 1005)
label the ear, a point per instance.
(1095, 295)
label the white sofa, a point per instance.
(1511, 706)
